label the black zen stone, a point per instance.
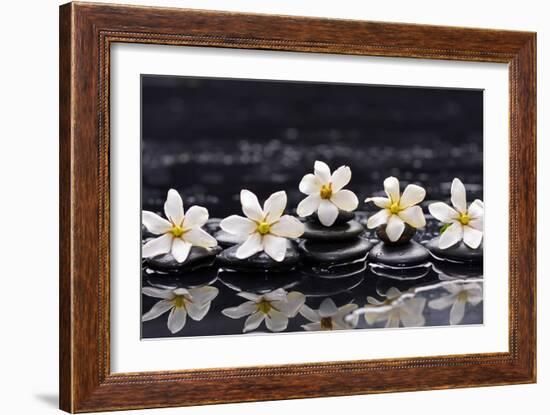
(343, 217)
(260, 261)
(405, 237)
(334, 252)
(349, 230)
(227, 239)
(459, 252)
(405, 255)
(197, 256)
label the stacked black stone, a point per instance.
(402, 259)
(339, 244)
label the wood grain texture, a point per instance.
(86, 33)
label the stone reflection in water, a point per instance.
(311, 296)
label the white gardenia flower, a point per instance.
(326, 193)
(329, 317)
(398, 209)
(179, 233)
(275, 307)
(263, 229)
(181, 302)
(397, 308)
(464, 223)
(459, 295)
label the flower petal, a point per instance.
(288, 226)
(180, 249)
(457, 312)
(328, 308)
(411, 312)
(412, 195)
(253, 321)
(202, 295)
(154, 223)
(476, 223)
(157, 310)
(340, 178)
(345, 200)
(276, 295)
(346, 309)
(327, 213)
(322, 171)
(414, 216)
(479, 203)
(176, 319)
(310, 314)
(394, 319)
(309, 205)
(376, 313)
(443, 212)
(472, 237)
(395, 228)
(442, 303)
(251, 246)
(451, 236)
(197, 311)
(381, 202)
(196, 216)
(274, 206)
(475, 210)
(157, 246)
(315, 326)
(165, 294)
(276, 321)
(274, 246)
(293, 304)
(475, 293)
(391, 187)
(199, 237)
(458, 195)
(392, 293)
(251, 206)
(173, 207)
(378, 219)
(310, 184)
(251, 296)
(238, 225)
(240, 311)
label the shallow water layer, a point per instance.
(435, 293)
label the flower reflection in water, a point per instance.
(329, 317)
(275, 308)
(460, 294)
(398, 308)
(181, 302)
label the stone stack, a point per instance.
(335, 251)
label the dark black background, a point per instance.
(209, 138)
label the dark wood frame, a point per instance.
(86, 33)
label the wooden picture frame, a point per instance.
(86, 33)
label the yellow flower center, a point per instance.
(326, 323)
(463, 296)
(177, 231)
(395, 208)
(326, 191)
(464, 218)
(264, 306)
(263, 228)
(179, 301)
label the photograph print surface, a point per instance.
(281, 206)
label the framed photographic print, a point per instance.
(260, 207)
